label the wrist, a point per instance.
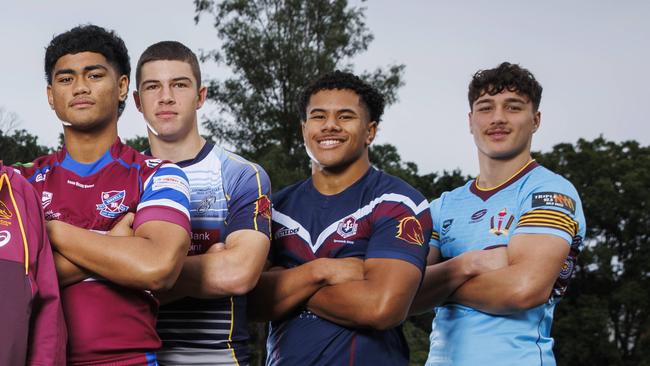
(319, 271)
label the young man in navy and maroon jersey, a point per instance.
(349, 243)
(203, 319)
(32, 330)
(88, 186)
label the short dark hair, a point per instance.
(506, 76)
(372, 100)
(89, 38)
(172, 51)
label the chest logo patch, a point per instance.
(5, 236)
(347, 227)
(46, 198)
(477, 216)
(410, 230)
(112, 204)
(446, 225)
(499, 225)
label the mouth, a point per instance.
(330, 142)
(498, 134)
(82, 103)
(166, 114)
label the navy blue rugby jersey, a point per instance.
(379, 216)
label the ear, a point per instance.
(203, 93)
(469, 122)
(537, 119)
(50, 98)
(136, 99)
(372, 132)
(123, 85)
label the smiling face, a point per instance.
(86, 90)
(337, 130)
(503, 125)
(168, 97)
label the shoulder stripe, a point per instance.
(167, 203)
(549, 218)
(435, 235)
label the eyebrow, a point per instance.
(85, 69)
(344, 110)
(180, 78)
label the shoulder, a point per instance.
(543, 182)
(289, 192)
(40, 165)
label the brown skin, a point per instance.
(85, 93)
(168, 97)
(337, 134)
(503, 126)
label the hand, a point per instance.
(124, 227)
(482, 261)
(340, 270)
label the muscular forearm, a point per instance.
(280, 291)
(67, 272)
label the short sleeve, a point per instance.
(400, 230)
(434, 209)
(249, 205)
(552, 207)
(165, 197)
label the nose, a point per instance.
(499, 115)
(166, 95)
(80, 87)
(331, 124)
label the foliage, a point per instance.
(20, 147)
(273, 48)
(605, 317)
(140, 143)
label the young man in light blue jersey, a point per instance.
(203, 318)
(504, 245)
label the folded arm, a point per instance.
(534, 263)
(151, 259)
(380, 300)
(232, 269)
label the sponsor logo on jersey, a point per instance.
(567, 269)
(410, 230)
(112, 204)
(285, 231)
(51, 215)
(173, 182)
(499, 225)
(446, 225)
(347, 227)
(205, 205)
(263, 207)
(5, 213)
(152, 163)
(5, 236)
(477, 216)
(202, 240)
(80, 185)
(554, 199)
(41, 176)
(46, 198)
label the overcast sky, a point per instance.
(591, 57)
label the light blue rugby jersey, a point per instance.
(533, 201)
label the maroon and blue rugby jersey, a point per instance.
(32, 329)
(110, 323)
(379, 216)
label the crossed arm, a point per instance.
(226, 269)
(496, 281)
(151, 259)
(374, 293)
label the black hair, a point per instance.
(168, 50)
(370, 97)
(89, 38)
(506, 76)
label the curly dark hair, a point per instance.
(89, 38)
(506, 76)
(370, 97)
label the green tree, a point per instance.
(140, 143)
(273, 48)
(605, 317)
(17, 145)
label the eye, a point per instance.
(180, 85)
(484, 108)
(64, 79)
(346, 117)
(317, 117)
(95, 76)
(151, 87)
(514, 107)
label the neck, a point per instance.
(333, 181)
(494, 172)
(88, 146)
(181, 149)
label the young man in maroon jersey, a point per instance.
(88, 186)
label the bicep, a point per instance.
(252, 244)
(541, 255)
(394, 278)
(163, 233)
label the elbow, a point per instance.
(238, 284)
(385, 316)
(525, 297)
(162, 276)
